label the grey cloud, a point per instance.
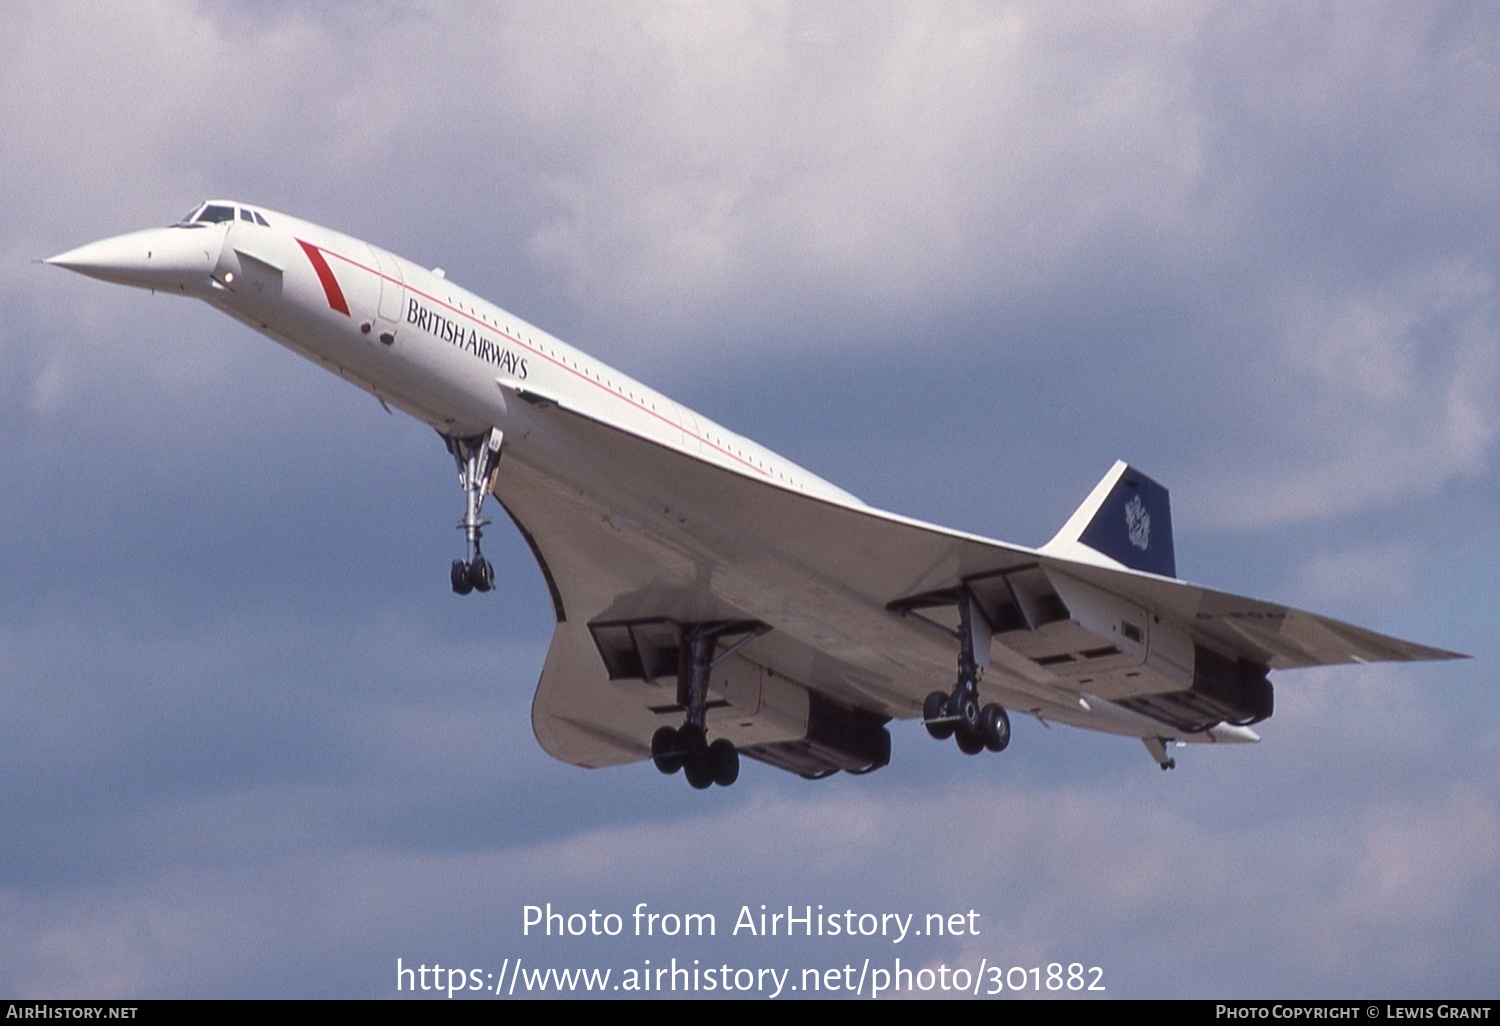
(958, 258)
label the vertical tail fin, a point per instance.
(1127, 518)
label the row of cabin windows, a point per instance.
(218, 213)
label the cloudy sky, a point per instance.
(956, 258)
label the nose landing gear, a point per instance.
(478, 459)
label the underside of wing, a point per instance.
(834, 617)
(1282, 637)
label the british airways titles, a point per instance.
(470, 340)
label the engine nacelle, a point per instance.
(1150, 665)
(1223, 691)
(838, 738)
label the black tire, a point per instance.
(691, 739)
(481, 574)
(994, 727)
(666, 750)
(965, 706)
(969, 742)
(697, 769)
(459, 576)
(935, 708)
(724, 761)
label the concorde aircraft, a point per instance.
(714, 599)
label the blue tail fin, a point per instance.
(1128, 518)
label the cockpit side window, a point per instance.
(187, 219)
(245, 215)
(260, 220)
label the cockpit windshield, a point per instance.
(212, 213)
(217, 213)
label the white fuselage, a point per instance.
(454, 360)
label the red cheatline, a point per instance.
(325, 275)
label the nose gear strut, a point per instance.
(478, 459)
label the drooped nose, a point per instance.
(168, 259)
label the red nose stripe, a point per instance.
(325, 275)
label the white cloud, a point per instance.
(1400, 390)
(778, 156)
(1363, 580)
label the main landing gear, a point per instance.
(687, 747)
(704, 763)
(478, 459)
(958, 714)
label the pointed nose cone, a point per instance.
(168, 259)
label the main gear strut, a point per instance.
(959, 713)
(687, 747)
(478, 459)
